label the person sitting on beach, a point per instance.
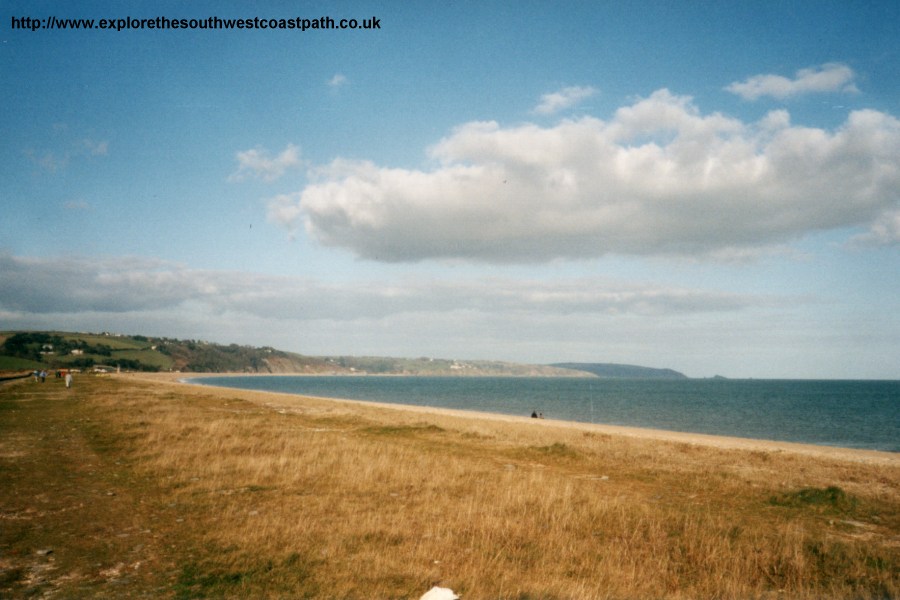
(534, 415)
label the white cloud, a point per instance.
(337, 81)
(658, 178)
(563, 99)
(95, 147)
(284, 208)
(49, 161)
(831, 77)
(68, 150)
(885, 231)
(74, 285)
(71, 285)
(257, 163)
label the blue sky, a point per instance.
(710, 187)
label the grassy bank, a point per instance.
(130, 488)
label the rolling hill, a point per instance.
(51, 350)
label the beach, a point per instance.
(141, 485)
(280, 401)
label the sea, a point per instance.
(849, 414)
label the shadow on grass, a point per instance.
(293, 575)
(831, 499)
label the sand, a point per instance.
(287, 402)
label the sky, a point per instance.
(712, 187)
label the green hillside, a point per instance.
(104, 351)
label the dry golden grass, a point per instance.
(277, 497)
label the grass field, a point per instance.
(12, 363)
(128, 488)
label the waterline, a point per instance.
(850, 414)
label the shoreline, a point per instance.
(266, 398)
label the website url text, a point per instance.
(165, 23)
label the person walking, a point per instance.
(68, 380)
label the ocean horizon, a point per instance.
(862, 414)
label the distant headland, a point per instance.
(617, 371)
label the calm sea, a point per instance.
(851, 414)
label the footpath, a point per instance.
(73, 522)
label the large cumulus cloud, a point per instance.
(658, 178)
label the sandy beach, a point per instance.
(281, 401)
